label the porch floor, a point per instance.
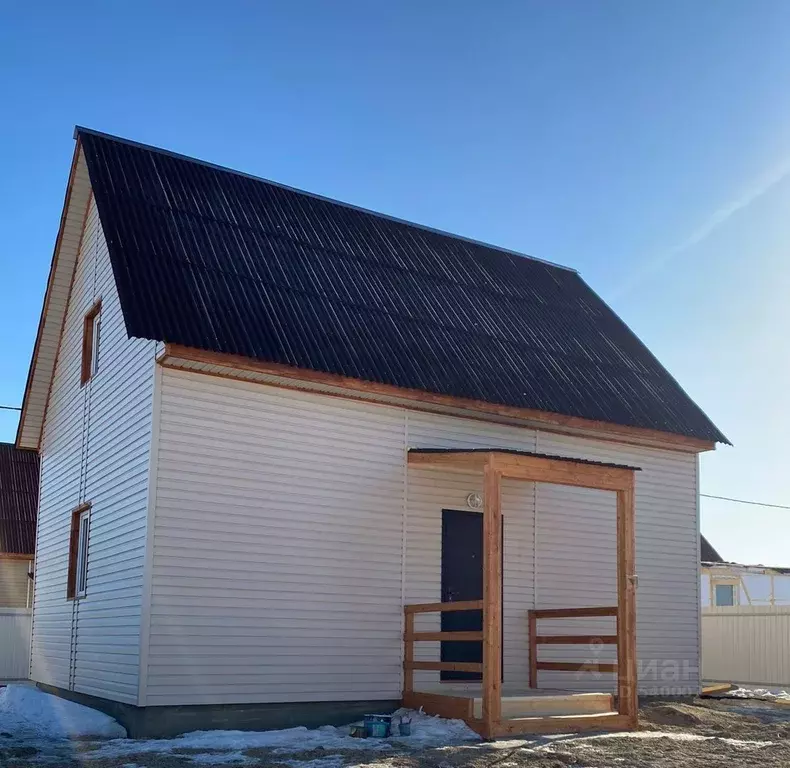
(524, 711)
(520, 701)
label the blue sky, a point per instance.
(645, 144)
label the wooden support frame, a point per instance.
(492, 599)
(15, 556)
(496, 465)
(627, 692)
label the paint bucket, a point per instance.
(377, 726)
(357, 731)
(405, 727)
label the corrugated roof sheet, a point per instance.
(18, 500)
(218, 260)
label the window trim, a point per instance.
(725, 582)
(78, 555)
(91, 332)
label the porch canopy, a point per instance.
(495, 464)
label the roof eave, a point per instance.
(174, 354)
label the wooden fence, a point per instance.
(14, 643)
(746, 644)
(536, 640)
(410, 637)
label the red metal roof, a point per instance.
(18, 500)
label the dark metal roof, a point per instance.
(18, 500)
(707, 553)
(514, 452)
(214, 259)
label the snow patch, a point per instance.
(212, 758)
(427, 731)
(335, 761)
(430, 731)
(29, 711)
(673, 735)
(757, 693)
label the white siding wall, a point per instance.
(281, 521)
(576, 556)
(14, 583)
(430, 492)
(95, 448)
(277, 546)
(14, 643)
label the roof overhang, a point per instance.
(531, 467)
(246, 368)
(53, 313)
(756, 570)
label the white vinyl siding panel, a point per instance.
(289, 532)
(576, 565)
(429, 492)
(56, 301)
(95, 449)
(277, 547)
(14, 583)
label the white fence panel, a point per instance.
(746, 644)
(14, 643)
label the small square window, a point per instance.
(725, 594)
(77, 583)
(90, 343)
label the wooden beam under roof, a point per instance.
(558, 470)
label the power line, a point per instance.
(744, 501)
(10, 408)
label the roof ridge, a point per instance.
(78, 129)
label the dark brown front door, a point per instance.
(462, 579)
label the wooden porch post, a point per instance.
(628, 703)
(492, 601)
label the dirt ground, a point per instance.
(706, 734)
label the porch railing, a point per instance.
(410, 637)
(536, 640)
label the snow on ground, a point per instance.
(334, 761)
(24, 717)
(758, 693)
(212, 758)
(427, 731)
(32, 712)
(549, 742)
(672, 736)
(27, 713)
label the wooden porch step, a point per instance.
(599, 721)
(514, 707)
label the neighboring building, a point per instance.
(18, 503)
(732, 584)
(270, 422)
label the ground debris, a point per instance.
(702, 734)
